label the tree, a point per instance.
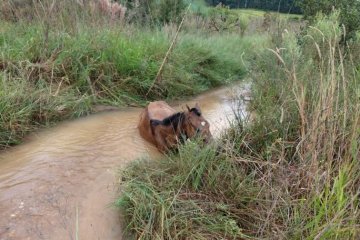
(287, 6)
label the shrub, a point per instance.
(156, 12)
(221, 18)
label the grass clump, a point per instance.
(291, 173)
(194, 194)
(26, 106)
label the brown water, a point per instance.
(61, 184)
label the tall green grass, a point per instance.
(193, 195)
(290, 173)
(26, 106)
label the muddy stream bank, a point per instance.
(67, 175)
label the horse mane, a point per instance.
(174, 119)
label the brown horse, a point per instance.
(164, 127)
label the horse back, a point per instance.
(154, 111)
(159, 110)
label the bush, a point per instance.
(221, 18)
(156, 12)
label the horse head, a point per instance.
(195, 125)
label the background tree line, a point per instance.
(288, 6)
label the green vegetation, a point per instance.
(259, 13)
(157, 12)
(349, 12)
(290, 173)
(285, 6)
(248, 21)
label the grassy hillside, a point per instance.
(259, 13)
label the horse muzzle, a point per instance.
(207, 139)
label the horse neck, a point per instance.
(182, 126)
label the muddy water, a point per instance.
(60, 185)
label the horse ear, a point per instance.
(188, 108)
(198, 107)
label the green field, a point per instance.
(260, 13)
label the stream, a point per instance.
(61, 183)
